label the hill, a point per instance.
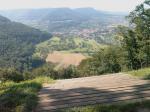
(66, 22)
(17, 44)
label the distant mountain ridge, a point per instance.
(66, 22)
(33, 14)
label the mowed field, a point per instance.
(64, 59)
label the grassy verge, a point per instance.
(128, 107)
(21, 97)
(142, 73)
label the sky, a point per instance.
(105, 5)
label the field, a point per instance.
(64, 59)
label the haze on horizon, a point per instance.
(105, 5)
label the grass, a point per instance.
(126, 107)
(142, 73)
(21, 97)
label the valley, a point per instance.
(51, 58)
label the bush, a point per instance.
(10, 74)
(45, 70)
(21, 97)
(49, 70)
(69, 72)
(108, 60)
(142, 73)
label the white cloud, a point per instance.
(111, 5)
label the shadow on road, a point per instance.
(52, 99)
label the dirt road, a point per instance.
(92, 90)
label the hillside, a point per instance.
(66, 22)
(72, 45)
(17, 44)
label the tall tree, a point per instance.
(130, 45)
(140, 17)
(136, 40)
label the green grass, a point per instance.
(142, 73)
(126, 107)
(21, 97)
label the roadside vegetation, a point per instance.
(125, 107)
(142, 73)
(21, 96)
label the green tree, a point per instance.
(10, 74)
(140, 17)
(130, 45)
(108, 60)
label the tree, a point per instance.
(10, 74)
(130, 45)
(140, 17)
(108, 60)
(136, 40)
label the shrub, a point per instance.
(45, 70)
(69, 72)
(108, 60)
(10, 74)
(21, 97)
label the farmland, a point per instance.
(63, 59)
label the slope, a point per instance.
(17, 43)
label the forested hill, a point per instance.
(17, 43)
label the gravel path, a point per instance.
(103, 89)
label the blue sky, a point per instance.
(107, 5)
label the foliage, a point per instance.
(129, 43)
(142, 73)
(21, 97)
(49, 70)
(45, 70)
(69, 72)
(136, 41)
(108, 60)
(10, 74)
